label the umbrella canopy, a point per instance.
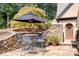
(30, 18)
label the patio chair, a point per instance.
(19, 37)
(30, 43)
(41, 40)
(27, 41)
(24, 40)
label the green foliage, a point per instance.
(6, 10)
(2, 23)
(48, 24)
(13, 8)
(50, 9)
(54, 39)
(51, 39)
(48, 40)
(31, 4)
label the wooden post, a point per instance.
(7, 20)
(78, 21)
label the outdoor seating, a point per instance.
(41, 38)
(28, 42)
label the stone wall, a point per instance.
(57, 29)
(8, 44)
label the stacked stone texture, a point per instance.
(8, 44)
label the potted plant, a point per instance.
(54, 40)
(48, 40)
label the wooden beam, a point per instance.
(78, 20)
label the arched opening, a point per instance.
(69, 31)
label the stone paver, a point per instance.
(62, 51)
(52, 51)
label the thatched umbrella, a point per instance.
(30, 15)
(31, 18)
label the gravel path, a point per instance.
(51, 51)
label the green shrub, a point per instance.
(48, 24)
(55, 39)
(51, 39)
(47, 40)
(2, 23)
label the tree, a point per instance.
(8, 9)
(50, 9)
(2, 22)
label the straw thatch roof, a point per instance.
(36, 11)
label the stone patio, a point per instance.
(66, 50)
(61, 50)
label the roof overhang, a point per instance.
(66, 18)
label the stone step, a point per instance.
(77, 54)
(68, 43)
(65, 42)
